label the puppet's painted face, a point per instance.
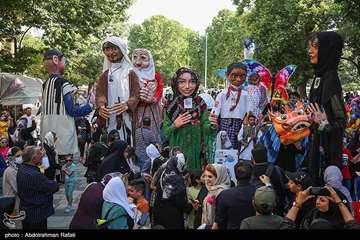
(186, 84)
(292, 125)
(237, 76)
(254, 79)
(112, 52)
(140, 59)
(223, 137)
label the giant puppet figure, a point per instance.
(289, 124)
(117, 91)
(151, 89)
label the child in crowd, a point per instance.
(136, 192)
(69, 169)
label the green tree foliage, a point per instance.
(172, 45)
(348, 25)
(281, 29)
(226, 37)
(76, 27)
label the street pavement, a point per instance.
(61, 219)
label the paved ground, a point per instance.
(61, 220)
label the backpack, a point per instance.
(103, 222)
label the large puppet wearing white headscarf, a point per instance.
(117, 90)
(151, 88)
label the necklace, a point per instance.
(111, 73)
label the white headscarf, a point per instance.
(123, 48)
(149, 72)
(227, 144)
(152, 152)
(49, 139)
(115, 192)
(121, 72)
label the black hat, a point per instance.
(52, 52)
(300, 177)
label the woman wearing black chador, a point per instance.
(325, 49)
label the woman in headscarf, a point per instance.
(216, 180)
(49, 146)
(9, 183)
(115, 161)
(157, 161)
(116, 209)
(4, 147)
(186, 119)
(90, 204)
(171, 200)
(330, 212)
(97, 152)
(153, 153)
(223, 141)
(333, 177)
(325, 50)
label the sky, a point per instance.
(194, 14)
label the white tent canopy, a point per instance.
(19, 89)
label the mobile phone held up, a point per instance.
(319, 191)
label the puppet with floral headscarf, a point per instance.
(117, 91)
(151, 88)
(186, 119)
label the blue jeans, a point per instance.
(347, 184)
(356, 188)
(69, 189)
(1, 187)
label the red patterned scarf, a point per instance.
(235, 89)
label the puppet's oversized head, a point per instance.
(292, 125)
(141, 58)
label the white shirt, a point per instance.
(119, 89)
(223, 105)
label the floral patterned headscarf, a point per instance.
(175, 106)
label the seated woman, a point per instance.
(223, 141)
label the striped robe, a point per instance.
(54, 116)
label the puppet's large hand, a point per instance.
(104, 112)
(119, 107)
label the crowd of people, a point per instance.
(153, 160)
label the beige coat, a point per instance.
(10, 190)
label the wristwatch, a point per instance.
(295, 204)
